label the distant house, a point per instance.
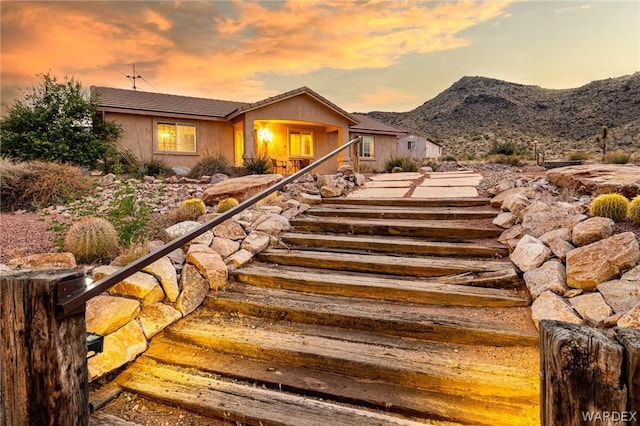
(418, 147)
(292, 129)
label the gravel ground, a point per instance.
(22, 235)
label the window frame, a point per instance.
(372, 152)
(411, 144)
(300, 131)
(176, 124)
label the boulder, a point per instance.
(560, 248)
(120, 347)
(598, 178)
(164, 271)
(325, 180)
(311, 199)
(631, 319)
(345, 169)
(513, 233)
(505, 220)
(331, 191)
(256, 242)
(632, 274)
(496, 202)
(621, 295)
(105, 314)
(529, 253)
(183, 228)
(272, 224)
(551, 276)
(592, 230)
(225, 246)
(44, 261)
(239, 188)
(194, 289)
(561, 233)
(551, 306)
(359, 179)
(155, 318)
(230, 229)
(539, 223)
(591, 307)
(516, 204)
(601, 261)
(140, 285)
(238, 258)
(210, 264)
(425, 169)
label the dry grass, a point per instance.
(36, 184)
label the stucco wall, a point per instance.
(212, 138)
(385, 147)
(423, 148)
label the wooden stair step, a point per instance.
(500, 373)
(411, 202)
(381, 264)
(338, 283)
(412, 402)
(441, 229)
(398, 245)
(429, 322)
(388, 212)
(237, 402)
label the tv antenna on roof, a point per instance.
(134, 77)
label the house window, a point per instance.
(411, 144)
(177, 137)
(366, 147)
(300, 143)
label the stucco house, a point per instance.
(292, 129)
(419, 147)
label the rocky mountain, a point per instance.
(476, 112)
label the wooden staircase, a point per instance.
(372, 312)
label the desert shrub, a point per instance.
(36, 184)
(123, 162)
(634, 209)
(512, 160)
(92, 239)
(613, 206)
(577, 156)
(617, 157)
(226, 204)
(258, 166)
(190, 209)
(156, 167)
(129, 254)
(407, 164)
(210, 165)
(449, 158)
(509, 148)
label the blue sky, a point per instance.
(364, 56)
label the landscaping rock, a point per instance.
(592, 230)
(551, 306)
(272, 224)
(539, 223)
(631, 319)
(560, 248)
(513, 233)
(155, 318)
(44, 261)
(529, 253)
(496, 202)
(516, 204)
(561, 233)
(209, 264)
(505, 220)
(601, 261)
(106, 314)
(140, 285)
(194, 289)
(550, 276)
(256, 242)
(230, 229)
(311, 199)
(120, 347)
(591, 307)
(183, 228)
(621, 295)
(331, 191)
(238, 258)
(239, 188)
(164, 271)
(598, 178)
(225, 246)
(632, 274)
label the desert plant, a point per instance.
(128, 254)
(190, 209)
(634, 209)
(226, 204)
(407, 164)
(577, 156)
(602, 140)
(613, 206)
(258, 166)
(512, 160)
(449, 158)
(92, 239)
(156, 167)
(617, 157)
(210, 165)
(36, 184)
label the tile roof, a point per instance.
(291, 94)
(136, 100)
(368, 124)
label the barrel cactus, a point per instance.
(226, 204)
(92, 239)
(191, 209)
(613, 206)
(634, 209)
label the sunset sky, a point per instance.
(364, 55)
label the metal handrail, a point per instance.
(70, 303)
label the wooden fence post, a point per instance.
(630, 339)
(583, 382)
(43, 366)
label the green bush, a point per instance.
(613, 206)
(37, 184)
(258, 166)
(407, 164)
(512, 160)
(210, 165)
(92, 239)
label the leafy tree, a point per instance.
(58, 122)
